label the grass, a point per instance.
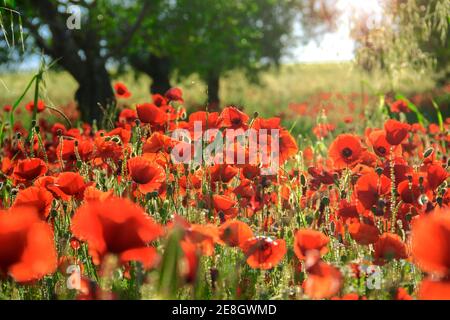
(293, 83)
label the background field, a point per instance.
(278, 88)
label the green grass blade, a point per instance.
(413, 108)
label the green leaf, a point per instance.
(413, 108)
(439, 115)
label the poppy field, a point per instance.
(360, 210)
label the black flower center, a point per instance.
(347, 152)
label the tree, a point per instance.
(211, 38)
(79, 48)
(413, 34)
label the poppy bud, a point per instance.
(137, 122)
(38, 129)
(75, 143)
(335, 176)
(421, 180)
(325, 201)
(74, 243)
(303, 180)
(423, 199)
(256, 114)
(59, 132)
(33, 123)
(379, 171)
(428, 152)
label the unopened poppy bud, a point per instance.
(18, 135)
(335, 176)
(256, 114)
(379, 171)
(325, 201)
(38, 129)
(79, 164)
(137, 122)
(428, 152)
(423, 199)
(222, 217)
(74, 243)
(33, 123)
(75, 143)
(303, 180)
(420, 180)
(59, 132)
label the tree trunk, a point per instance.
(213, 84)
(159, 71)
(94, 89)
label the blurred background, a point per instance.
(290, 58)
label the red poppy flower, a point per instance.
(191, 261)
(225, 205)
(400, 106)
(309, 240)
(347, 210)
(29, 169)
(117, 226)
(370, 188)
(363, 233)
(27, 250)
(174, 94)
(288, 146)
(434, 290)
(68, 184)
(431, 242)
(345, 151)
(263, 252)
(149, 113)
(121, 90)
(402, 294)
(148, 176)
(233, 118)
(40, 106)
(222, 172)
(203, 237)
(36, 197)
(381, 146)
(159, 100)
(235, 233)
(436, 175)
(93, 194)
(396, 131)
(410, 191)
(389, 246)
(127, 116)
(324, 281)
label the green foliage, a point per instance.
(412, 34)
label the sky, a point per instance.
(338, 45)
